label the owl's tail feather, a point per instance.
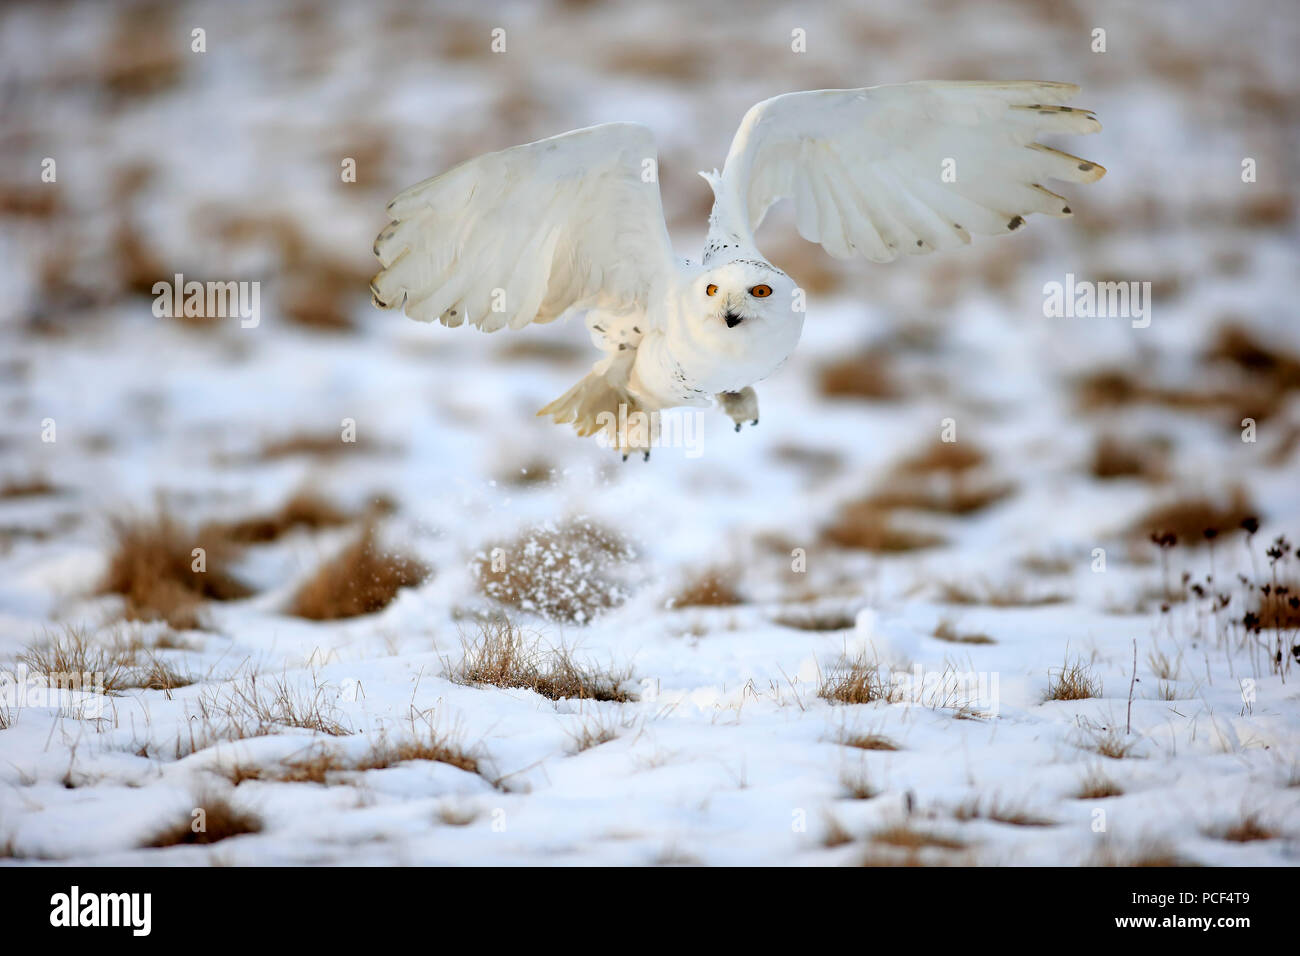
(599, 405)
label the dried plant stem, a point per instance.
(1128, 729)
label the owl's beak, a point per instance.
(732, 319)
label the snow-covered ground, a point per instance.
(225, 165)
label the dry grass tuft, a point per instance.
(592, 733)
(545, 350)
(533, 472)
(312, 445)
(502, 657)
(866, 741)
(835, 833)
(158, 674)
(1097, 786)
(984, 593)
(253, 708)
(906, 837)
(219, 820)
(1108, 742)
(948, 457)
(856, 681)
(881, 855)
(153, 567)
(940, 493)
(281, 705)
(946, 630)
(1113, 745)
(138, 266)
(1151, 853)
(560, 572)
(1289, 777)
(317, 294)
(672, 855)
(32, 486)
(71, 660)
(1161, 666)
(865, 526)
(171, 641)
(1246, 830)
(715, 587)
(941, 478)
(1115, 457)
(27, 201)
(999, 812)
(131, 63)
(661, 62)
(313, 767)
(320, 290)
(857, 784)
(304, 509)
(238, 773)
(1247, 395)
(1239, 345)
(1270, 210)
(1074, 681)
(1046, 564)
(864, 375)
(817, 462)
(805, 619)
(1168, 691)
(361, 579)
(1108, 388)
(430, 744)
(1187, 519)
(323, 765)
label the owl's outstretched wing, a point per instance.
(904, 169)
(525, 234)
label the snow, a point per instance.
(727, 756)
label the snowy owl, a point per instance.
(574, 223)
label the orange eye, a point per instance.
(711, 290)
(761, 291)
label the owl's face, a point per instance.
(746, 293)
(740, 321)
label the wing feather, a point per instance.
(871, 171)
(526, 234)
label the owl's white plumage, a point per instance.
(575, 223)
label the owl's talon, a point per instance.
(741, 406)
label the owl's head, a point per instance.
(745, 293)
(737, 322)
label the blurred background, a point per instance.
(226, 165)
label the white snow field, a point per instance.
(827, 640)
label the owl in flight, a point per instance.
(574, 223)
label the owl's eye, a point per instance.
(711, 290)
(761, 291)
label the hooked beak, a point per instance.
(732, 319)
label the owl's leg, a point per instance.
(741, 406)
